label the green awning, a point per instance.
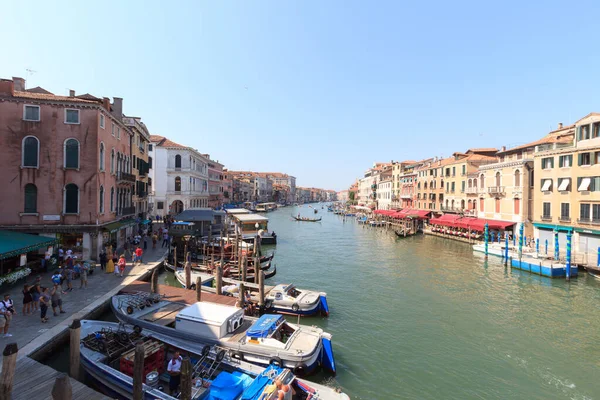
(115, 226)
(146, 222)
(14, 243)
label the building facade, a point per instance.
(140, 140)
(215, 183)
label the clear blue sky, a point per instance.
(318, 89)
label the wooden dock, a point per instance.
(34, 380)
(179, 295)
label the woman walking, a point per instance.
(27, 300)
(36, 292)
(122, 264)
(44, 302)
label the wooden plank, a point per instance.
(179, 295)
(163, 312)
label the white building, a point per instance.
(384, 194)
(179, 177)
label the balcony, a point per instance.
(126, 211)
(406, 196)
(142, 194)
(452, 209)
(125, 177)
(546, 217)
(471, 190)
(496, 189)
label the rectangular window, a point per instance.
(595, 212)
(548, 163)
(565, 161)
(31, 113)
(481, 202)
(564, 184)
(546, 210)
(564, 210)
(584, 132)
(584, 211)
(583, 184)
(113, 129)
(497, 208)
(118, 132)
(149, 146)
(464, 169)
(595, 129)
(160, 205)
(453, 171)
(71, 116)
(452, 187)
(546, 185)
(585, 158)
(516, 206)
(101, 121)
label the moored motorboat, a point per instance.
(287, 299)
(107, 350)
(262, 341)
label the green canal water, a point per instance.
(425, 318)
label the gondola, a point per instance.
(307, 219)
(400, 234)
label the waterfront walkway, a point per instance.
(31, 334)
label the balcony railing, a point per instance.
(406, 196)
(546, 217)
(125, 177)
(452, 209)
(126, 211)
(142, 194)
(496, 189)
(471, 190)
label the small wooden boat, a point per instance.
(304, 219)
(593, 271)
(400, 233)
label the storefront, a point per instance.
(21, 253)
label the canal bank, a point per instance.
(426, 318)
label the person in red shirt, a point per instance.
(138, 254)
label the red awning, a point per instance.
(384, 212)
(411, 213)
(446, 220)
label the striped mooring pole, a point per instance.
(521, 229)
(546, 246)
(505, 248)
(537, 246)
(598, 256)
(568, 266)
(556, 249)
(486, 238)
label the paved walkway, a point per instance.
(30, 333)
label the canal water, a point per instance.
(425, 318)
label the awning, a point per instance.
(445, 220)
(385, 212)
(564, 185)
(546, 185)
(14, 243)
(197, 215)
(411, 213)
(584, 185)
(146, 222)
(115, 226)
(478, 224)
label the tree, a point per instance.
(351, 196)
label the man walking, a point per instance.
(174, 369)
(56, 299)
(138, 254)
(165, 242)
(7, 309)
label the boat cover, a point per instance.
(257, 387)
(228, 386)
(264, 326)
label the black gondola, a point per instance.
(307, 219)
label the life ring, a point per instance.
(237, 355)
(295, 307)
(220, 356)
(276, 361)
(205, 351)
(129, 310)
(137, 329)
(300, 370)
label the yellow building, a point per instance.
(503, 190)
(141, 164)
(567, 189)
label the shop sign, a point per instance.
(51, 217)
(23, 260)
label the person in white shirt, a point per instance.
(7, 309)
(69, 253)
(174, 369)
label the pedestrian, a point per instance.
(146, 242)
(46, 260)
(57, 278)
(122, 264)
(56, 299)
(27, 300)
(83, 275)
(69, 278)
(138, 254)
(174, 370)
(7, 308)
(154, 240)
(61, 255)
(36, 292)
(165, 242)
(103, 259)
(44, 302)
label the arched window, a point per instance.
(112, 161)
(470, 183)
(177, 161)
(498, 179)
(101, 199)
(112, 199)
(481, 181)
(441, 183)
(30, 152)
(71, 153)
(30, 199)
(71, 199)
(101, 156)
(517, 178)
(178, 184)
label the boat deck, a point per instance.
(165, 315)
(179, 295)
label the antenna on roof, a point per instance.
(29, 73)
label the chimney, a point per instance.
(503, 148)
(7, 87)
(117, 107)
(19, 84)
(71, 93)
(560, 125)
(106, 103)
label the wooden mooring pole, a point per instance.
(188, 271)
(198, 289)
(62, 389)
(219, 279)
(186, 379)
(9, 363)
(138, 371)
(261, 287)
(74, 338)
(240, 302)
(244, 264)
(154, 282)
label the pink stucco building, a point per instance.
(66, 167)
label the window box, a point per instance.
(31, 113)
(71, 116)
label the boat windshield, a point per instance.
(293, 292)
